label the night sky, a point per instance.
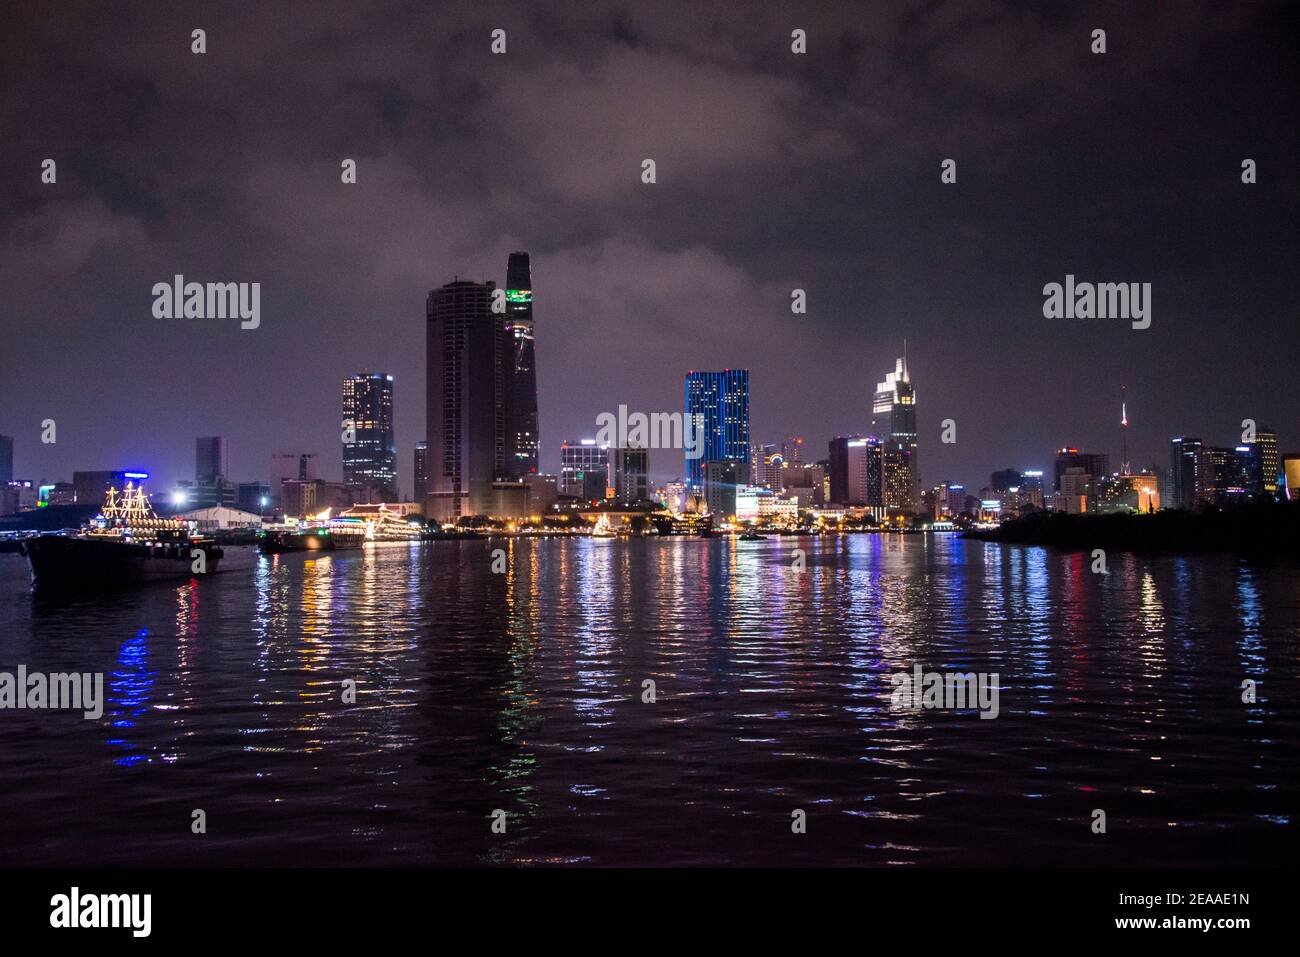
(775, 171)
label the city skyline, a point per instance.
(819, 173)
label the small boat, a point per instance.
(751, 536)
(603, 529)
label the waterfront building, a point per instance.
(721, 479)
(1094, 464)
(465, 407)
(584, 469)
(630, 474)
(1268, 463)
(370, 459)
(856, 472)
(1076, 486)
(90, 487)
(894, 405)
(421, 476)
(542, 492)
(6, 459)
(718, 404)
(211, 460)
(1187, 467)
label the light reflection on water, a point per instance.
(523, 691)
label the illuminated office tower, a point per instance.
(1270, 465)
(894, 406)
(584, 469)
(1096, 465)
(857, 470)
(421, 472)
(630, 474)
(718, 405)
(370, 460)
(520, 371)
(1188, 480)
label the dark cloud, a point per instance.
(775, 171)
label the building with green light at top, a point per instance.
(520, 399)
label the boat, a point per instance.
(751, 536)
(125, 544)
(602, 528)
(323, 537)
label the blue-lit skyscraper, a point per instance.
(718, 405)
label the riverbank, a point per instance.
(1261, 527)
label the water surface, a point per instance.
(523, 692)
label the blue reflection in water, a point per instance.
(128, 693)
(1250, 648)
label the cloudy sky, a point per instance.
(775, 171)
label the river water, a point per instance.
(524, 692)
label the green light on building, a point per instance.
(519, 295)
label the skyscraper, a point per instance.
(1096, 465)
(584, 469)
(421, 489)
(895, 400)
(370, 460)
(6, 459)
(465, 345)
(211, 461)
(1270, 466)
(630, 478)
(857, 470)
(1187, 472)
(718, 405)
(521, 371)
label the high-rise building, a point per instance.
(421, 488)
(1094, 464)
(6, 459)
(857, 470)
(211, 461)
(465, 400)
(1005, 480)
(718, 405)
(721, 481)
(1270, 465)
(792, 450)
(584, 469)
(89, 487)
(1187, 478)
(895, 402)
(1233, 473)
(370, 459)
(1291, 476)
(521, 370)
(631, 475)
